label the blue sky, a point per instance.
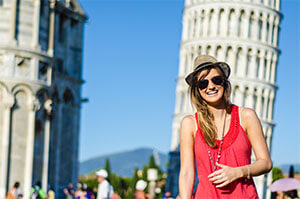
(131, 54)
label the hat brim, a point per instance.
(224, 67)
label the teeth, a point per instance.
(211, 93)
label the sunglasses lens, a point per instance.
(202, 84)
(218, 80)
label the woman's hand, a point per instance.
(225, 175)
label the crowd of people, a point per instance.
(104, 190)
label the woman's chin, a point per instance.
(214, 101)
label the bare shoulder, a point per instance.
(249, 119)
(188, 124)
(248, 114)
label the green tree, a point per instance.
(144, 174)
(90, 182)
(107, 168)
(276, 174)
(291, 172)
(152, 163)
(134, 179)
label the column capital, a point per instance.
(48, 106)
(52, 3)
(271, 18)
(34, 105)
(37, 2)
(8, 101)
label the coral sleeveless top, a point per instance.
(236, 151)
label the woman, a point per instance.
(220, 137)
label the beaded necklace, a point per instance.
(219, 152)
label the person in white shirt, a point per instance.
(105, 190)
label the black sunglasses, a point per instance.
(217, 80)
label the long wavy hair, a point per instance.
(205, 117)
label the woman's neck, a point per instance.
(217, 111)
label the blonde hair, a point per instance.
(205, 117)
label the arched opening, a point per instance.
(240, 23)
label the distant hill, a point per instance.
(286, 167)
(124, 163)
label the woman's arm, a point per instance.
(253, 128)
(187, 170)
(263, 163)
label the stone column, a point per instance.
(184, 28)
(270, 112)
(272, 4)
(252, 64)
(259, 103)
(267, 77)
(194, 26)
(271, 23)
(58, 116)
(197, 25)
(233, 22)
(51, 28)
(275, 36)
(206, 23)
(224, 30)
(245, 25)
(48, 108)
(214, 22)
(244, 63)
(264, 28)
(36, 24)
(241, 64)
(33, 106)
(255, 21)
(277, 6)
(273, 69)
(12, 30)
(8, 103)
(250, 95)
(261, 65)
(76, 127)
(239, 95)
(266, 97)
(187, 3)
(232, 58)
(181, 63)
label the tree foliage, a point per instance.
(291, 172)
(276, 174)
(107, 168)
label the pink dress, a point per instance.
(236, 151)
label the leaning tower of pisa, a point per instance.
(243, 33)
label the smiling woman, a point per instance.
(220, 137)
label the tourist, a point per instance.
(37, 192)
(220, 137)
(14, 192)
(140, 187)
(105, 190)
(51, 194)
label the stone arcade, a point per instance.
(41, 45)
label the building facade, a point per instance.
(41, 45)
(243, 33)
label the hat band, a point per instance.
(203, 64)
